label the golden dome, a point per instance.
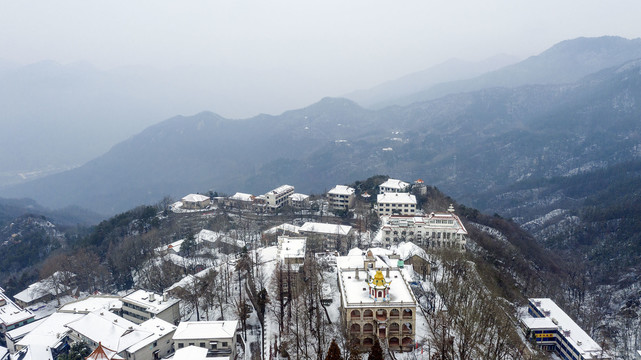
(379, 279)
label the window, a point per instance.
(225, 343)
(202, 345)
(181, 345)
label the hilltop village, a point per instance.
(370, 269)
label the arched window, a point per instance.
(355, 314)
(355, 328)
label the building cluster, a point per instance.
(140, 325)
(551, 329)
(376, 301)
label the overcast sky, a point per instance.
(327, 48)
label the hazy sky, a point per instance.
(318, 48)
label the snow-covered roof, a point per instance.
(34, 352)
(341, 190)
(92, 303)
(50, 330)
(283, 227)
(191, 353)
(298, 197)
(433, 220)
(356, 259)
(242, 197)
(3, 351)
(395, 184)
(111, 330)
(572, 332)
(355, 291)
(324, 228)
(20, 332)
(206, 330)
(213, 237)
(290, 247)
(396, 198)
(281, 189)
(142, 298)
(158, 328)
(10, 313)
(195, 198)
(39, 289)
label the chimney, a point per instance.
(151, 297)
(164, 296)
(387, 273)
(356, 275)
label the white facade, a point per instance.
(548, 326)
(434, 230)
(341, 197)
(393, 186)
(11, 315)
(395, 203)
(218, 337)
(279, 197)
(291, 251)
(141, 306)
(147, 341)
(299, 201)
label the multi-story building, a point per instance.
(11, 315)
(299, 201)
(341, 197)
(393, 186)
(436, 230)
(376, 302)
(395, 203)
(291, 251)
(549, 327)
(279, 197)
(149, 340)
(140, 306)
(333, 234)
(218, 337)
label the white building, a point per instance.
(241, 200)
(195, 201)
(341, 197)
(49, 335)
(299, 201)
(147, 341)
(333, 233)
(291, 252)
(376, 302)
(12, 316)
(435, 230)
(395, 203)
(140, 306)
(393, 186)
(549, 327)
(279, 197)
(218, 337)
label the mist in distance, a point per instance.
(78, 77)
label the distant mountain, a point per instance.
(451, 70)
(465, 144)
(565, 62)
(56, 117)
(11, 209)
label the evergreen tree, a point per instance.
(334, 353)
(78, 351)
(354, 354)
(377, 352)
